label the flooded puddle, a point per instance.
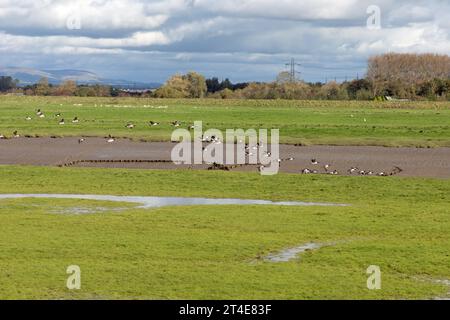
(292, 253)
(158, 202)
(85, 210)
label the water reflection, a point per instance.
(158, 202)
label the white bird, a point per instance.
(42, 115)
(75, 120)
(2, 136)
(28, 118)
(130, 126)
(62, 122)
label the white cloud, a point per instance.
(254, 32)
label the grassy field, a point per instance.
(209, 252)
(423, 124)
(216, 252)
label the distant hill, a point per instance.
(28, 76)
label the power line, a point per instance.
(293, 72)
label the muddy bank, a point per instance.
(123, 153)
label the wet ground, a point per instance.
(123, 153)
(158, 202)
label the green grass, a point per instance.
(399, 224)
(422, 124)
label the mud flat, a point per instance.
(124, 153)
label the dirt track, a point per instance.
(129, 154)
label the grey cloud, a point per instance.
(241, 39)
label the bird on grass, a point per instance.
(153, 124)
(75, 120)
(62, 122)
(15, 134)
(129, 126)
(28, 118)
(176, 123)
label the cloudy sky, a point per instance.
(239, 39)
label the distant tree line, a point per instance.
(396, 76)
(402, 76)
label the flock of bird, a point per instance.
(40, 114)
(352, 171)
(317, 167)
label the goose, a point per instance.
(334, 173)
(129, 126)
(62, 122)
(42, 115)
(80, 141)
(110, 139)
(2, 136)
(314, 161)
(15, 134)
(176, 123)
(326, 167)
(291, 159)
(154, 124)
(28, 118)
(353, 170)
(306, 171)
(38, 112)
(75, 120)
(382, 174)
(58, 115)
